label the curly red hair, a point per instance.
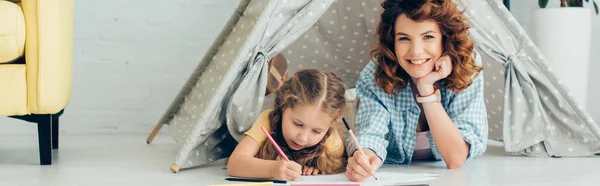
(455, 40)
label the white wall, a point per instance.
(130, 60)
(522, 10)
(133, 56)
(594, 85)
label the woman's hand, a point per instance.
(310, 171)
(443, 68)
(360, 167)
(285, 170)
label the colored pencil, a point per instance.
(276, 146)
(356, 143)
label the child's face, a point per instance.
(417, 45)
(304, 126)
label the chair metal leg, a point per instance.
(45, 139)
(54, 132)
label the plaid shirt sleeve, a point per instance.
(372, 118)
(467, 111)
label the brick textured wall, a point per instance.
(130, 60)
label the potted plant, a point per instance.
(569, 3)
(563, 35)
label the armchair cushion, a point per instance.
(13, 92)
(12, 31)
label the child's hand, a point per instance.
(442, 68)
(358, 169)
(310, 171)
(286, 170)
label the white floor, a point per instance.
(127, 160)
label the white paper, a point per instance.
(383, 178)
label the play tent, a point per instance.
(529, 109)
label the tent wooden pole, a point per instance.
(153, 133)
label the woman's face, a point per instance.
(418, 45)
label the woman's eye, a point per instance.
(317, 132)
(404, 39)
(428, 37)
(297, 124)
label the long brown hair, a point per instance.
(455, 40)
(325, 90)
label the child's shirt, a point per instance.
(334, 145)
(386, 123)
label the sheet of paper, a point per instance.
(383, 178)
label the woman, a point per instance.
(421, 98)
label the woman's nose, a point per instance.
(416, 48)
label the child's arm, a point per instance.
(243, 163)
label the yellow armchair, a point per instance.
(36, 62)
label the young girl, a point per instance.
(304, 122)
(421, 98)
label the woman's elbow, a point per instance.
(454, 164)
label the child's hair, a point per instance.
(310, 87)
(455, 41)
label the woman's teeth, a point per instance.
(418, 62)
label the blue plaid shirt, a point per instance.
(387, 124)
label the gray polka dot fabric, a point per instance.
(225, 94)
(493, 74)
(539, 116)
(341, 41)
(526, 105)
